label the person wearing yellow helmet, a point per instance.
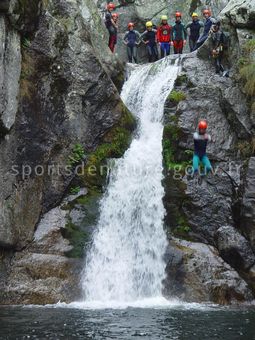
(149, 24)
(193, 28)
(164, 36)
(149, 38)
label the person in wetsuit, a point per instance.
(132, 40)
(179, 34)
(149, 37)
(193, 28)
(201, 138)
(209, 21)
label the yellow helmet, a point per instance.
(149, 24)
(163, 17)
(194, 15)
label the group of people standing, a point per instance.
(165, 35)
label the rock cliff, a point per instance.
(215, 217)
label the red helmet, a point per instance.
(115, 15)
(178, 14)
(131, 24)
(207, 11)
(202, 125)
(110, 6)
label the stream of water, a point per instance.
(125, 264)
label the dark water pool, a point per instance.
(132, 323)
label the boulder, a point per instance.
(241, 13)
(196, 273)
(234, 248)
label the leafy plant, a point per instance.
(75, 190)
(176, 96)
(247, 70)
(78, 154)
(25, 43)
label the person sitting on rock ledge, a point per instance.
(201, 138)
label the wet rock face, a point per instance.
(197, 273)
(57, 90)
(47, 271)
(234, 248)
(240, 13)
(10, 67)
(217, 210)
(66, 96)
(248, 204)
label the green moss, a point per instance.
(77, 155)
(246, 66)
(246, 148)
(176, 96)
(28, 67)
(181, 79)
(171, 154)
(115, 143)
(80, 235)
(247, 73)
(75, 190)
(77, 238)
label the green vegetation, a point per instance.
(77, 238)
(115, 143)
(246, 148)
(27, 88)
(176, 96)
(25, 43)
(247, 71)
(171, 136)
(181, 79)
(78, 154)
(79, 235)
(75, 190)
(182, 228)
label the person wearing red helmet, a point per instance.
(164, 36)
(111, 25)
(132, 40)
(209, 21)
(178, 34)
(201, 138)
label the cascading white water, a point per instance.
(125, 263)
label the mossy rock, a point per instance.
(182, 79)
(114, 144)
(175, 97)
(80, 235)
(172, 157)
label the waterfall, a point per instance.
(125, 263)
